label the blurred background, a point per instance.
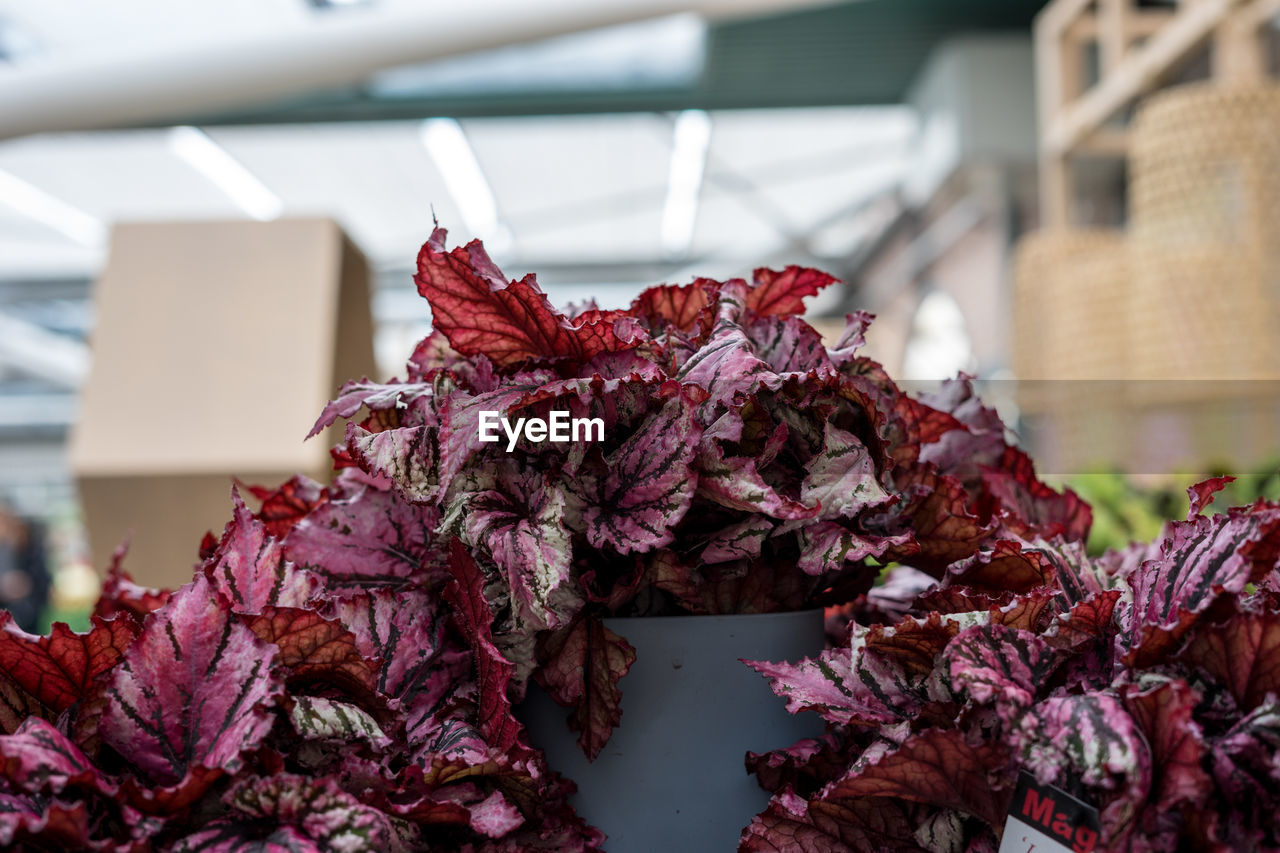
(209, 215)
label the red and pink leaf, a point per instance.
(1165, 715)
(789, 345)
(366, 537)
(1241, 654)
(1085, 739)
(582, 665)
(842, 479)
(1201, 494)
(689, 308)
(511, 323)
(249, 566)
(998, 666)
(17, 705)
(375, 397)
(736, 483)
(829, 547)
(519, 523)
(936, 767)
(298, 813)
(340, 726)
(39, 759)
(935, 509)
(804, 767)
(405, 629)
(1031, 611)
(791, 825)
(852, 339)
(1090, 621)
(648, 484)
(405, 456)
(1244, 760)
(1199, 560)
(58, 669)
(913, 644)
(1007, 566)
(288, 503)
(841, 684)
(315, 652)
(40, 824)
(493, 672)
(193, 691)
(782, 293)
(121, 595)
(1028, 507)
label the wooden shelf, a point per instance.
(1138, 49)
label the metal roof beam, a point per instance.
(22, 412)
(179, 80)
(38, 352)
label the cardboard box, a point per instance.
(215, 347)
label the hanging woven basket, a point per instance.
(1205, 234)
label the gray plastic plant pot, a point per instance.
(672, 777)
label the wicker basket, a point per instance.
(1070, 310)
(1190, 293)
(1205, 234)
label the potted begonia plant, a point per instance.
(344, 670)
(1142, 684)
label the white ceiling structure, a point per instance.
(565, 189)
(594, 203)
(583, 200)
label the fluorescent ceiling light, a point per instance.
(225, 172)
(447, 144)
(34, 202)
(689, 144)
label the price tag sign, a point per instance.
(1045, 819)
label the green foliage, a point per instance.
(1128, 508)
(77, 619)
